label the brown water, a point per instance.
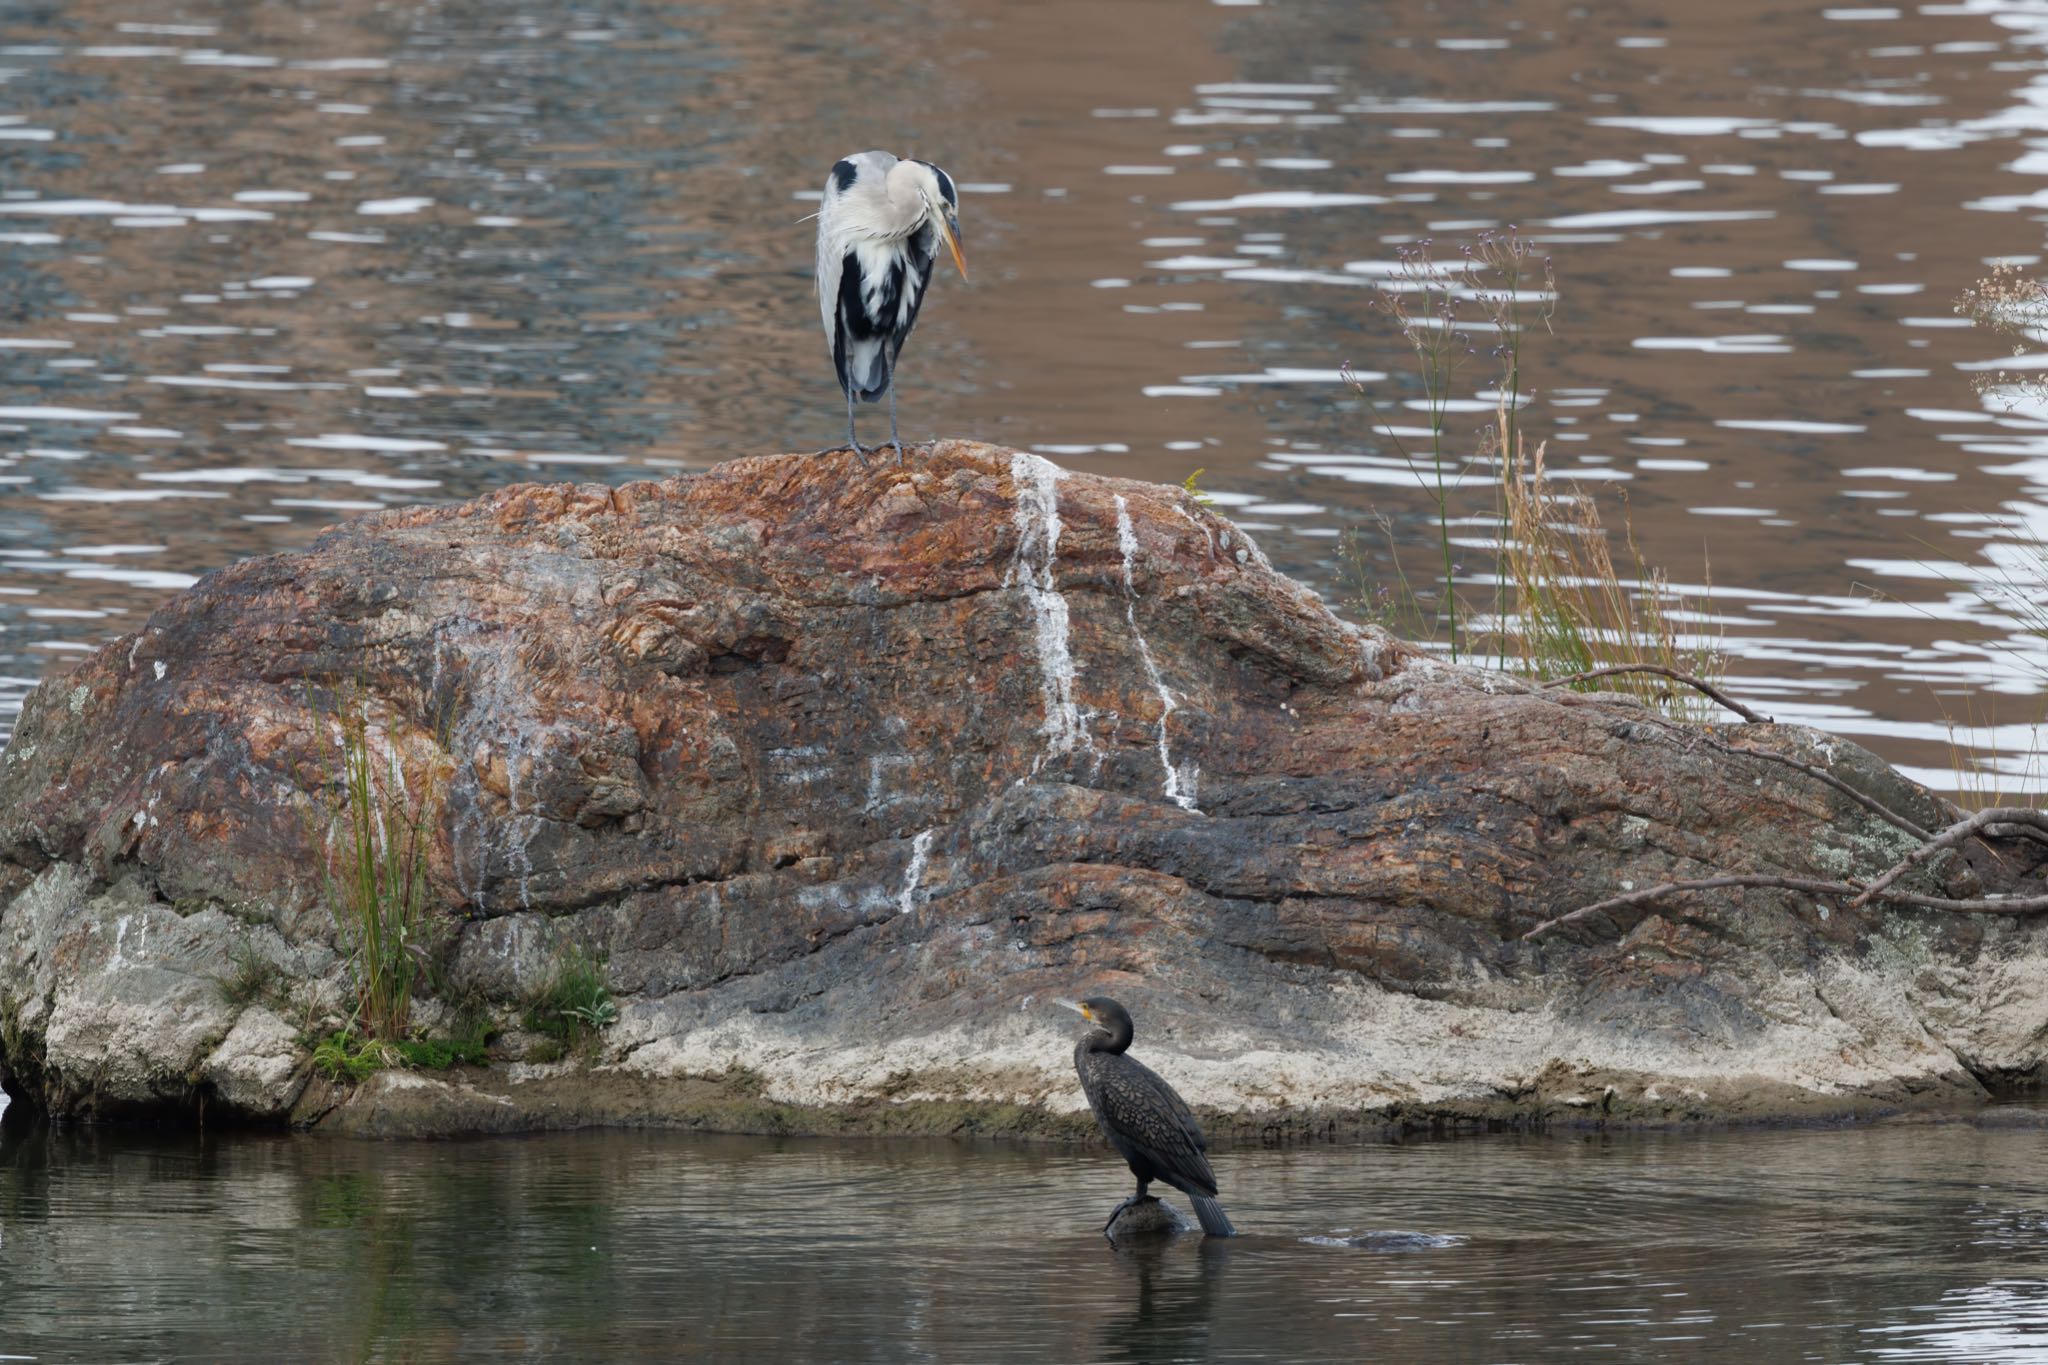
(1888, 1243)
(267, 266)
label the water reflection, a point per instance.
(267, 269)
(1919, 1243)
(1170, 1292)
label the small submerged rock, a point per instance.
(1153, 1218)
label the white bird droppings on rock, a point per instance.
(913, 876)
(1037, 515)
(1179, 783)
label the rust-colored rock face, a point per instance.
(845, 773)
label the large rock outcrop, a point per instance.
(845, 774)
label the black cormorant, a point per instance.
(1142, 1116)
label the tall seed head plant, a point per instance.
(1561, 602)
(1423, 298)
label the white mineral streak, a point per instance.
(1036, 480)
(879, 796)
(1179, 782)
(913, 876)
(497, 720)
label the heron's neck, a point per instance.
(898, 210)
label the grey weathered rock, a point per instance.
(845, 774)
(258, 1069)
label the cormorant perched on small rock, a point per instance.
(1142, 1116)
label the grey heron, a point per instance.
(879, 232)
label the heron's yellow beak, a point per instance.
(1080, 1009)
(949, 232)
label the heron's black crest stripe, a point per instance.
(843, 172)
(945, 183)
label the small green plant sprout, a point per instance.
(576, 1004)
(1194, 490)
(379, 835)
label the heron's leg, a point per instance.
(894, 439)
(852, 441)
(853, 432)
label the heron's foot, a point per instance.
(899, 451)
(855, 446)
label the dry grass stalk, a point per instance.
(1570, 608)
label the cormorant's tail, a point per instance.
(1211, 1213)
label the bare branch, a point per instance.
(1705, 688)
(1981, 905)
(2010, 817)
(1949, 838)
(1651, 893)
(2036, 834)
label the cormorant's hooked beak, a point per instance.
(949, 232)
(1080, 1009)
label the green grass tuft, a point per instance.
(379, 836)
(575, 1005)
(342, 1056)
(251, 979)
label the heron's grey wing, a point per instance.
(1146, 1111)
(831, 256)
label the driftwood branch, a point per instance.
(1979, 905)
(1699, 685)
(2015, 817)
(1663, 889)
(1949, 838)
